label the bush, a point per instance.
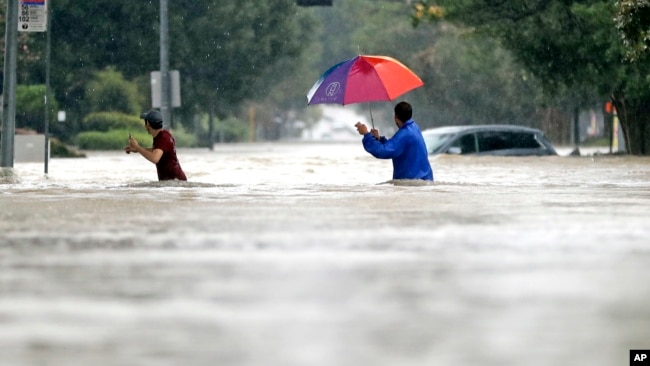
(60, 150)
(30, 111)
(596, 141)
(109, 91)
(111, 140)
(106, 121)
(183, 139)
(233, 130)
(118, 139)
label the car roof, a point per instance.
(474, 128)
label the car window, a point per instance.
(502, 140)
(435, 140)
(466, 143)
(525, 141)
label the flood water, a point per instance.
(301, 254)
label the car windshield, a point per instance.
(435, 140)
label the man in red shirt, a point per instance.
(163, 152)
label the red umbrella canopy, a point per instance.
(363, 79)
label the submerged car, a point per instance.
(502, 140)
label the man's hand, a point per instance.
(133, 144)
(361, 128)
(375, 133)
(132, 147)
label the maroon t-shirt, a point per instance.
(168, 166)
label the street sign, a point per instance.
(156, 88)
(32, 16)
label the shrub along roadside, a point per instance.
(117, 139)
(61, 150)
(106, 121)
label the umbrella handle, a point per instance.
(372, 122)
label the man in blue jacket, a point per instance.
(406, 147)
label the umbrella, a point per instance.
(363, 79)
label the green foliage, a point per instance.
(633, 23)
(92, 35)
(118, 139)
(595, 142)
(105, 121)
(30, 107)
(61, 150)
(110, 130)
(223, 51)
(183, 138)
(574, 49)
(227, 49)
(283, 87)
(232, 130)
(109, 92)
(110, 140)
(569, 46)
(269, 52)
(467, 79)
(471, 81)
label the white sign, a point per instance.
(32, 16)
(156, 88)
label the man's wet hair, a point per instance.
(155, 124)
(403, 111)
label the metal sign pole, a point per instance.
(165, 108)
(47, 91)
(9, 86)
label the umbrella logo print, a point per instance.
(332, 89)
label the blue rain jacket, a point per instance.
(406, 148)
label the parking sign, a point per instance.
(32, 16)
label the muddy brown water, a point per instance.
(303, 254)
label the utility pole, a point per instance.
(46, 119)
(166, 95)
(9, 86)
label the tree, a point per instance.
(30, 110)
(572, 47)
(221, 49)
(109, 92)
(269, 52)
(224, 50)
(466, 79)
(633, 23)
(89, 36)
(632, 97)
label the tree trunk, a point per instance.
(555, 124)
(634, 115)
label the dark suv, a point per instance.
(504, 140)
